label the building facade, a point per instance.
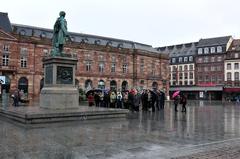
(103, 62)
(182, 67)
(210, 57)
(232, 70)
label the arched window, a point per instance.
(88, 84)
(124, 85)
(23, 84)
(101, 84)
(113, 85)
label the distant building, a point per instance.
(103, 62)
(182, 67)
(210, 58)
(232, 70)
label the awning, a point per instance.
(230, 90)
(197, 88)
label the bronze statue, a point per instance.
(59, 35)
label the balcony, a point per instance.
(8, 68)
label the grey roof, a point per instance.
(80, 37)
(5, 22)
(187, 49)
(214, 41)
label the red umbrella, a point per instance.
(175, 94)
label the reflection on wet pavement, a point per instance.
(163, 134)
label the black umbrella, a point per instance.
(93, 91)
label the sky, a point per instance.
(154, 22)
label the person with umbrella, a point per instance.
(176, 98)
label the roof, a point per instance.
(235, 45)
(186, 49)
(80, 37)
(5, 22)
(214, 41)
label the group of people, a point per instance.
(180, 99)
(132, 99)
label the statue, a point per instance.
(59, 35)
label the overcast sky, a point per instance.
(153, 22)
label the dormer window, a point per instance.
(109, 43)
(180, 59)
(206, 50)
(173, 60)
(120, 46)
(200, 51)
(185, 59)
(219, 49)
(190, 58)
(97, 42)
(43, 35)
(213, 50)
(22, 32)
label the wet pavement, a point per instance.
(208, 129)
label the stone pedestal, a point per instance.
(59, 91)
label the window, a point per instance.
(185, 75)
(180, 59)
(229, 66)
(213, 50)
(200, 78)
(5, 48)
(229, 76)
(206, 59)
(113, 58)
(101, 67)
(45, 52)
(180, 68)
(180, 76)
(219, 68)
(200, 51)
(23, 61)
(212, 68)
(206, 78)
(206, 69)
(219, 78)
(199, 69)
(173, 60)
(191, 82)
(124, 68)
(87, 57)
(100, 58)
(190, 67)
(190, 58)
(236, 76)
(180, 83)
(236, 66)
(174, 75)
(113, 67)
(213, 78)
(219, 58)
(185, 82)
(219, 49)
(5, 60)
(236, 55)
(206, 50)
(191, 75)
(88, 66)
(200, 60)
(185, 59)
(185, 67)
(212, 59)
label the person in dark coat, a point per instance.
(184, 102)
(96, 99)
(137, 100)
(176, 102)
(153, 100)
(106, 99)
(144, 100)
(158, 95)
(162, 100)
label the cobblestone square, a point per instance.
(207, 130)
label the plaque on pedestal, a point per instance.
(59, 91)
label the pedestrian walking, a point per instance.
(183, 102)
(176, 102)
(90, 100)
